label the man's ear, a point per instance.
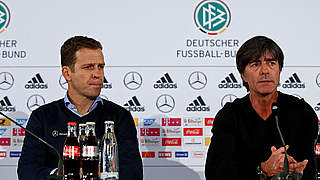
(66, 71)
(244, 77)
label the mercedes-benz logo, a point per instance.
(132, 80)
(197, 80)
(55, 133)
(165, 103)
(63, 83)
(228, 98)
(35, 101)
(318, 80)
(6, 80)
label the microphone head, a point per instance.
(274, 107)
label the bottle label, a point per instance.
(90, 151)
(71, 151)
(317, 150)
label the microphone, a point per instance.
(285, 175)
(60, 163)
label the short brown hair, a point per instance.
(253, 49)
(72, 45)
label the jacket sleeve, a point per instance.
(221, 162)
(31, 163)
(308, 139)
(130, 163)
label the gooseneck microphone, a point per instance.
(60, 163)
(285, 175)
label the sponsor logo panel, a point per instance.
(171, 141)
(36, 82)
(181, 154)
(150, 141)
(5, 122)
(207, 141)
(151, 122)
(192, 131)
(198, 105)
(193, 121)
(171, 121)
(197, 154)
(149, 131)
(293, 82)
(171, 131)
(164, 154)
(148, 154)
(3, 154)
(5, 141)
(208, 121)
(15, 153)
(6, 105)
(133, 105)
(193, 141)
(229, 82)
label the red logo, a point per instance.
(163, 154)
(150, 132)
(171, 141)
(317, 151)
(148, 154)
(5, 142)
(3, 154)
(18, 132)
(208, 121)
(71, 151)
(171, 121)
(193, 131)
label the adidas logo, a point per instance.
(6, 106)
(106, 84)
(293, 82)
(317, 108)
(165, 82)
(198, 105)
(36, 83)
(229, 82)
(134, 105)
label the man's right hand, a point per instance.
(274, 164)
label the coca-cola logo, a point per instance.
(71, 151)
(193, 131)
(171, 141)
(317, 150)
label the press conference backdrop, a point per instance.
(170, 63)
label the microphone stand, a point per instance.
(285, 175)
(60, 163)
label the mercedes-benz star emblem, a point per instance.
(165, 103)
(6, 80)
(318, 80)
(35, 101)
(197, 80)
(63, 83)
(55, 133)
(228, 98)
(132, 80)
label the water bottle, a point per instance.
(109, 165)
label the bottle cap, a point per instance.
(72, 123)
(108, 122)
(90, 123)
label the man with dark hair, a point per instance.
(245, 136)
(83, 64)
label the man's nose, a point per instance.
(264, 67)
(98, 72)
